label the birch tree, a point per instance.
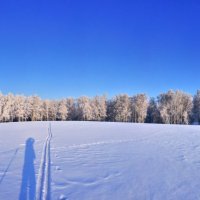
(121, 107)
(196, 108)
(98, 106)
(36, 108)
(110, 116)
(62, 110)
(139, 105)
(175, 107)
(153, 114)
(72, 110)
(84, 108)
(18, 108)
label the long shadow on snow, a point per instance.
(28, 185)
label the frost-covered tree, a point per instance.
(1, 106)
(11, 100)
(7, 108)
(121, 108)
(62, 111)
(36, 108)
(84, 109)
(18, 112)
(52, 110)
(153, 114)
(71, 107)
(27, 108)
(139, 105)
(110, 116)
(175, 107)
(45, 110)
(196, 108)
(98, 106)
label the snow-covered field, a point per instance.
(97, 161)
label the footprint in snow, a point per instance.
(62, 197)
(58, 168)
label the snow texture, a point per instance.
(99, 160)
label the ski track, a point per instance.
(43, 189)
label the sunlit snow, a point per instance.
(99, 160)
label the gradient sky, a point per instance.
(66, 48)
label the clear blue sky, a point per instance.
(66, 48)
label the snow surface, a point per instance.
(97, 160)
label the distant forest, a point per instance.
(172, 107)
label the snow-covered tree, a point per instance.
(36, 108)
(98, 106)
(62, 110)
(27, 108)
(45, 110)
(71, 107)
(84, 108)
(52, 110)
(1, 106)
(153, 114)
(139, 105)
(7, 108)
(110, 116)
(18, 112)
(175, 107)
(121, 107)
(196, 108)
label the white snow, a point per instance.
(97, 160)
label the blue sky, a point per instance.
(66, 48)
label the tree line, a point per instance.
(172, 107)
